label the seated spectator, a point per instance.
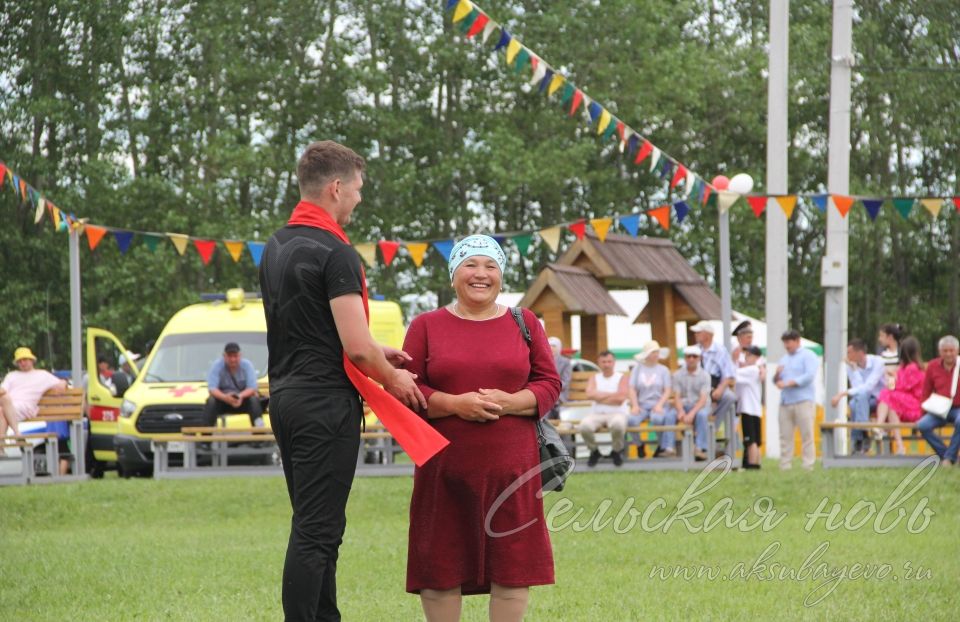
(609, 391)
(649, 392)
(902, 403)
(750, 378)
(565, 371)
(889, 339)
(794, 378)
(938, 379)
(691, 398)
(21, 390)
(232, 382)
(719, 366)
(866, 379)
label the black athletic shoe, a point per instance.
(594, 458)
(617, 458)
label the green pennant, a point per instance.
(523, 242)
(467, 22)
(904, 206)
(712, 200)
(611, 128)
(151, 241)
(522, 60)
(568, 91)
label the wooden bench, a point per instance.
(829, 439)
(25, 458)
(219, 444)
(684, 460)
(66, 406)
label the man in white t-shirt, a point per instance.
(609, 391)
(21, 390)
(750, 377)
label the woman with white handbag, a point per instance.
(941, 402)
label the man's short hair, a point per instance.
(231, 348)
(323, 161)
(605, 353)
(948, 341)
(858, 345)
(790, 335)
(754, 350)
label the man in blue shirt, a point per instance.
(718, 364)
(865, 373)
(232, 382)
(794, 378)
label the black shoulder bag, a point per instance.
(556, 463)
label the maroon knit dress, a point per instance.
(453, 493)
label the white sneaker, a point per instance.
(258, 422)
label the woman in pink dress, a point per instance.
(902, 403)
(485, 387)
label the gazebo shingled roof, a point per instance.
(577, 288)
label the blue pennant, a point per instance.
(504, 39)
(873, 207)
(820, 201)
(444, 247)
(256, 251)
(633, 144)
(123, 239)
(546, 80)
(631, 223)
(595, 110)
(682, 209)
(450, 5)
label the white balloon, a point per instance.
(741, 183)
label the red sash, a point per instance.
(418, 438)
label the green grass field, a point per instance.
(213, 550)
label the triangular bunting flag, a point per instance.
(3, 173)
(123, 238)
(604, 121)
(388, 250)
(367, 252)
(180, 241)
(577, 100)
(151, 241)
(463, 9)
(621, 132)
(555, 83)
(444, 247)
(523, 242)
(758, 204)
(904, 206)
(256, 252)
(820, 201)
(488, 30)
(842, 203)
(787, 204)
(595, 110)
(551, 236)
(94, 235)
(933, 206)
(678, 175)
(23, 189)
(665, 168)
(873, 207)
(633, 143)
(513, 48)
(726, 200)
(547, 79)
(601, 226)
(631, 223)
(205, 249)
(567, 95)
(654, 158)
(682, 209)
(14, 183)
(539, 73)
(956, 203)
(504, 41)
(662, 214)
(467, 23)
(579, 228)
(234, 248)
(38, 213)
(416, 250)
(452, 3)
(610, 129)
(478, 25)
(523, 59)
(645, 149)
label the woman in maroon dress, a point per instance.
(484, 386)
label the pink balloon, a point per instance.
(720, 182)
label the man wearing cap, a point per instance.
(649, 392)
(691, 398)
(744, 336)
(124, 377)
(21, 390)
(232, 382)
(719, 366)
(794, 378)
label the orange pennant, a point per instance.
(787, 203)
(662, 214)
(601, 226)
(842, 203)
(234, 248)
(416, 250)
(94, 235)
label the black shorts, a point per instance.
(751, 429)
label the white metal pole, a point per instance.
(725, 305)
(776, 239)
(835, 274)
(76, 350)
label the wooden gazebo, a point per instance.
(578, 284)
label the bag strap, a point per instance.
(956, 373)
(517, 314)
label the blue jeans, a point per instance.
(668, 440)
(860, 406)
(701, 433)
(928, 423)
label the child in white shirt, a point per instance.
(749, 385)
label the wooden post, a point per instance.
(593, 336)
(663, 320)
(556, 323)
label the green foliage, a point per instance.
(182, 116)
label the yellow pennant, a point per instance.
(555, 83)
(787, 204)
(56, 219)
(416, 250)
(463, 9)
(604, 121)
(513, 48)
(552, 237)
(234, 248)
(933, 206)
(180, 241)
(601, 226)
(367, 252)
(725, 199)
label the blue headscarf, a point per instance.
(472, 246)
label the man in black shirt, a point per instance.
(313, 286)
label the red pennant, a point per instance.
(662, 214)
(388, 250)
(956, 201)
(843, 203)
(680, 174)
(579, 228)
(3, 173)
(205, 249)
(577, 100)
(534, 61)
(706, 193)
(94, 235)
(620, 128)
(645, 149)
(757, 204)
(478, 26)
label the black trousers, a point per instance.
(319, 439)
(214, 408)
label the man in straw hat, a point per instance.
(21, 390)
(649, 392)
